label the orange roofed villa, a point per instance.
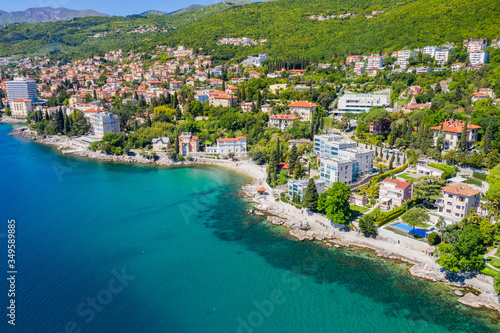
(458, 201)
(452, 131)
(281, 121)
(304, 109)
(188, 144)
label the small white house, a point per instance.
(429, 171)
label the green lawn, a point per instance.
(358, 210)
(405, 175)
(495, 262)
(489, 271)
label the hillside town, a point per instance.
(401, 144)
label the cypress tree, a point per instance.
(178, 113)
(391, 162)
(487, 145)
(59, 121)
(66, 124)
(176, 145)
(148, 120)
(292, 158)
(440, 138)
(278, 149)
(176, 102)
(273, 165)
(243, 95)
(310, 199)
(463, 138)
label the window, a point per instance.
(450, 196)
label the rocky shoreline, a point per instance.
(277, 213)
(10, 120)
(474, 291)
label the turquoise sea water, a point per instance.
(193, 260)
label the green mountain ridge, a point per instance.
(284, 23)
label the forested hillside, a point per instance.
(68, 39)
(285, 23)
(403, 24)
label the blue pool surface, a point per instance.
(418, 232)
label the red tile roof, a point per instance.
(232, 139)
(284, 116)
(399, 184)
(460, 189)
(303, 104)
(455, 126)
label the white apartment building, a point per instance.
(237, 146)
(375, 62)
(103, 123)
(442, 56)
(430, 50)
(404, 56)
(479, 58)
(298, 187)
(458, 201)
(20, 107)
(337, 169)
(360, 102)
(476, 45)
(341, 160)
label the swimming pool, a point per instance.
(418, 232)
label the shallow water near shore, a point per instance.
(127, 248)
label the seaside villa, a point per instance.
(393, 193)
(458, 201)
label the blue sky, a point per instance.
(111, 7)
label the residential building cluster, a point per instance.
(244, 41)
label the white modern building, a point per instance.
(237, 146)
(103, 123)
(404, 56)
(340, 159)
(375, 62)
(479, 58)
(255, 60)
(442, 56)
(297, 188)
(360, 102)
(430, 50)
